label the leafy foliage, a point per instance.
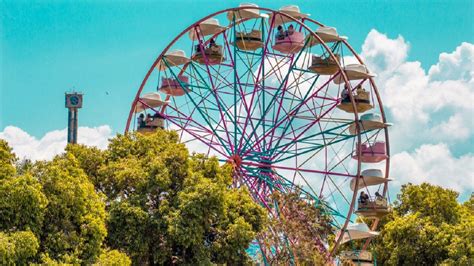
(166, 206)
(7, 160)
(50, 213)
(303, 226)
(22, 204)
(17, 247)
(113, 258)
(428, 227)
(74, 224)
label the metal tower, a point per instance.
(73, 103)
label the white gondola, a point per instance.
(357, 231)
(361, 98)
(291, 10)
(173, 58)
(369, 177)
(208, 27)
(147, 101)
(324, 65)
(248, 41)
(354, 72)
(368, 122)
(245, 13)
(374, 208)
(327, 35)
(212, 55)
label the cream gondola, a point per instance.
(378, 206)
(373, 208)
(354, 72)
(146, 102)
(357, 231)
(368, 122)
(369, 177)
(327, 35)
(247, 41)
(324, 65)
(171, 85)
(361, 98)
(213, 54)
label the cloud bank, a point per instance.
(52, 143)
(431, 110)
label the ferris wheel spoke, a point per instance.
(200, 134)
(206, 118)
(293, 112)
(261, 71)
(219, 106)
(247, 105)
(323, 138)
(273, 101)
(303, 151)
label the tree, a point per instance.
(113, 258)
(428, 227)
(17, 247)
(169, 207)
(50, 213)
(302, 225)
(22, 204)
(7, 160)
(74, 221)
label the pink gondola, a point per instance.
(290, 44)
(173, 87)
(372, 153)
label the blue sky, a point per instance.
(48, 47)
(104, 49)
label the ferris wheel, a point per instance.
(284, 99)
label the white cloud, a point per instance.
(432, 104)
(454, 127)
(434, 164)
(431, 110)
(53, 142)
(384, 54)
(457, 65)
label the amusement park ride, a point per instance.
(289, 103)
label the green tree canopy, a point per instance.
(49, 213)
(428, 227)
(167, 206)
(17, 247)
(303, 225)
(74, 222)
